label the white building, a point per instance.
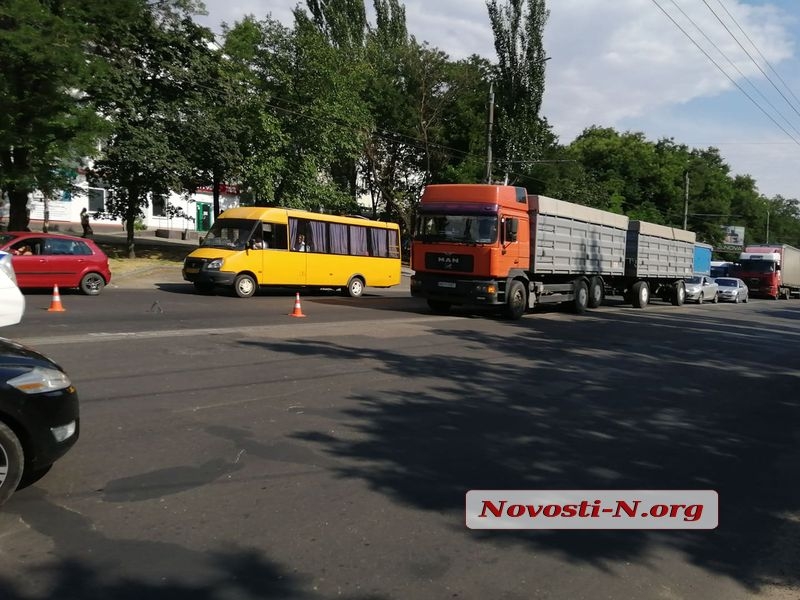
(174, 215)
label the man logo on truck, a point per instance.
(448, 262)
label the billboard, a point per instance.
(733, 238)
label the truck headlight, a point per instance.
(215, 265)
(40, 380)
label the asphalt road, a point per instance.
(231, 451)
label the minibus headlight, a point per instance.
(215, 265)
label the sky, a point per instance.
(722, 73)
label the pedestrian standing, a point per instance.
(87, 227)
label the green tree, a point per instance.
(391, 153)
(217, 131)
(464, 119)
(46, 123)
(148, 92)
(521, 133)
(310, 115)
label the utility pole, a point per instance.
(489, 134)
(686, 198)
(767, 241)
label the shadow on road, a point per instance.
(240, 573)
(615, 402)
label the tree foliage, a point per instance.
(518, 26)
(321, 112)
(156, 65)
(46, 124)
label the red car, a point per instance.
(42, 260)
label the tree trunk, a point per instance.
(130, 220)
(215, 190)
(18, 215)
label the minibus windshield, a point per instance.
(229, 233)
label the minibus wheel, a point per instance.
(244, 286)
(355, 287)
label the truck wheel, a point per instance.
(439, 306)
(581, 297)
(678, 293)
(641, 294)
(597, 292)
(12, 463)
(516, 300)
(244, 286)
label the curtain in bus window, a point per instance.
(394, 243)
(293, 227)
(319, 237)
(358, 241)
(338, 238)
(378, 242)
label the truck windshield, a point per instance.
(229, 233)
(756, 266)
(476, 229)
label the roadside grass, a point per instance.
(148, 256)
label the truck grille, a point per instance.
(444, 261)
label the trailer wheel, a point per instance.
(439, 306)
(597, 292)
(516, 300)
(641, 294)
(678, 293)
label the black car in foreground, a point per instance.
(38, 415)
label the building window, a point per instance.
(97, 200)
(159, 206)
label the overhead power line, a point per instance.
(733, 64)
(721, 70)
(764, 58)
(750, 56)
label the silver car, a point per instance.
(732, 289)
(701, 288)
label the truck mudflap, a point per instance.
(462, 292)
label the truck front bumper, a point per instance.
(464, 292)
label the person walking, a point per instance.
(87, 227)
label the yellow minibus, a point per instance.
(248, 247)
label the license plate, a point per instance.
(447, 284)
(192, 270)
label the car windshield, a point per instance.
(5, 238)
(229, 233)
(694, 280)
(727, 282)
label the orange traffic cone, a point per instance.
(298, 310)
(55, 303)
